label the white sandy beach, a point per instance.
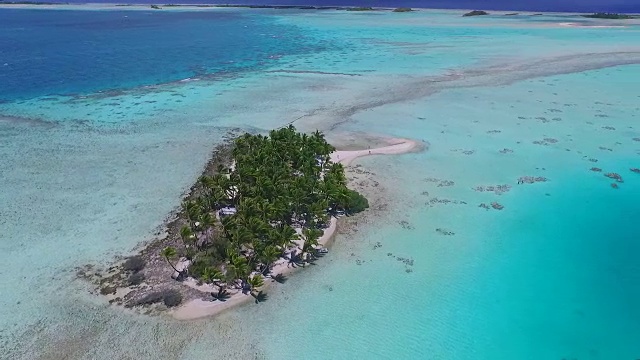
(395, 147)
(201, 308)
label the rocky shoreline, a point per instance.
(126, 284)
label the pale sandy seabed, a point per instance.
(480, 278)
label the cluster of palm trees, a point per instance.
(277, 183)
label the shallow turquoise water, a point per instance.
(551, 276)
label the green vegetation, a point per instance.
(476, 13)
(170, 298)
(156, 7)
(136, 279)
(360, 9)
(134, 264)
(244, 218)
(609, 16)
(403, 9)
(169, 253)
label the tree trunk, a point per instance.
(173, 267)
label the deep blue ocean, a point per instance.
(68, 52)
(530, 5)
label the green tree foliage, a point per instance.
(276, 183)
(356, 202)
(610, 16)
(169, 253)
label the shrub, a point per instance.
(172, 298)
(134, 263)
(356, 202)
(196, 269)
(136, 278)
(169, 297)
(190, 253)
(150, 298)
(106, 290)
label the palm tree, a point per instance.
(217, 198)
(241, 236)
(283, 236)
(221, 169)
(212, 275)
(207, 275)
(256, 227)
(168, 253)
(268, 256)
(206, 222)
(307, 251)
(191, 209)
(255, 282)
(265, 209)
(186, 235)
(238, 269)
(208, 184)
(280, 211)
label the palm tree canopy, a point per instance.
(168, 252)
(276, 182)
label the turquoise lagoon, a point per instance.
(94, 159)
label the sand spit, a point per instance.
(396, 146)
(582, 25)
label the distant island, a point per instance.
(360, 9)
(267, 203)
(476, 13)
(30, 3)
(610, 16)
(403, 9)
(283, 7)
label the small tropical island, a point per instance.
(267, 204)
(612, 16)
(362, 8)
(475, 13)
(274, 202)
(403, 9)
